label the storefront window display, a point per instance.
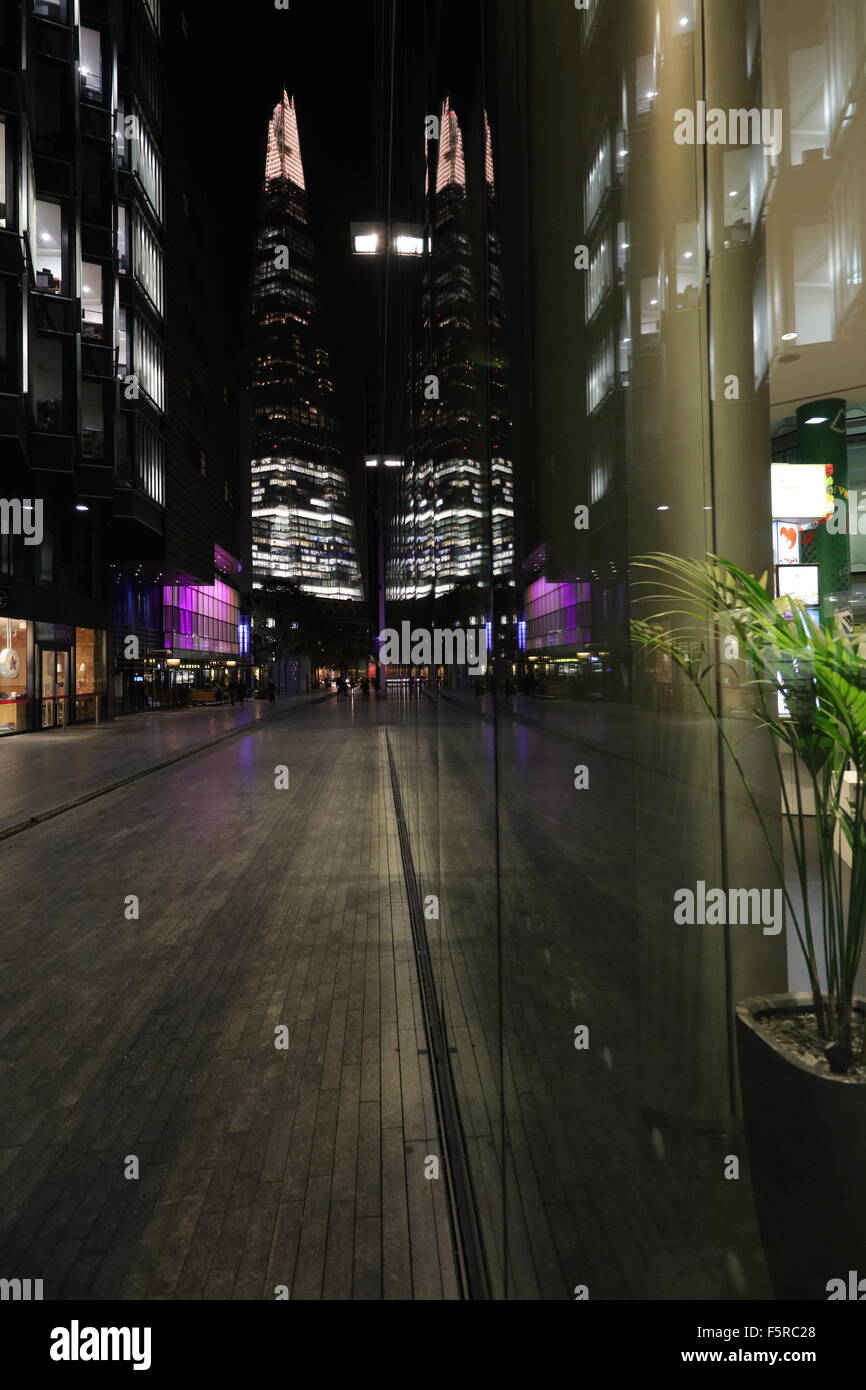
(16, 685)
(90, 675)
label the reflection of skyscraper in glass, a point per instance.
(303, 528)
(457, 489)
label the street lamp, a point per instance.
(375, 238)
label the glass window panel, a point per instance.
(92, 310)
(90, 66)
(9, 327)
(52, 9)
(48, 385)
(92, 420)
(3, 222)
(122, 239)
(808, 115)
(813, 290)
(49, 247)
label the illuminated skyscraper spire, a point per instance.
(488, 152)
(284, 145)
(452, 165)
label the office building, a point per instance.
(111, 427)
(303, 528)
(454, 522)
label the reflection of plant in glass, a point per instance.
(810, 694)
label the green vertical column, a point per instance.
(827, 442)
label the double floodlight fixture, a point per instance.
(376, 238)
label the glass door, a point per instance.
(55, 689)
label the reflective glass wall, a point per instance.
(644, 288)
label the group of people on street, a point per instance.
(238, 691)
(346, 687)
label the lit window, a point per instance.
(51, 9)
(122, 344)
(92, 311)
(650, 314)
(90, 64)
(2, 173)
(645, 84)
(807, 70)
(122, 240)
(813, 290)
(48, 251)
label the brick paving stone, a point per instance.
(155, 1037)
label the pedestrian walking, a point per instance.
(233, 689)
(272, 690)
(242, 690)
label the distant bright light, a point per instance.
(662, 509)
(684, 23)
(367, 245)
(393, 463)
(789, 337)
(409, 245)
(818, 420)
(653, 303)
(688, 255)
(372, 463)
(80, 507)
(45, 239)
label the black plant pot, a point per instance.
(806, 1136)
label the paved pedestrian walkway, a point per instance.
(41, 772)
(160, 933)
(156, 1142)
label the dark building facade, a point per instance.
(117, 413)
(303, 528)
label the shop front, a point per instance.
(51, 675)
(16, 676)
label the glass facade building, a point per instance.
(456, 510)
(116, 406)
(679, 197)
(303, 528)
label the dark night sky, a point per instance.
(330, 58)
(326, 56)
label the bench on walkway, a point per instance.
(202, 697)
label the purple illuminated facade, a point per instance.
(201, 618)
(557, 615)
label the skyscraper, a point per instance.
(455, 521)
(303, 529)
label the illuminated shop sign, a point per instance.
(801, 491)
(800, 582)
(786, 543)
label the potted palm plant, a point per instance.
(802, 1057)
